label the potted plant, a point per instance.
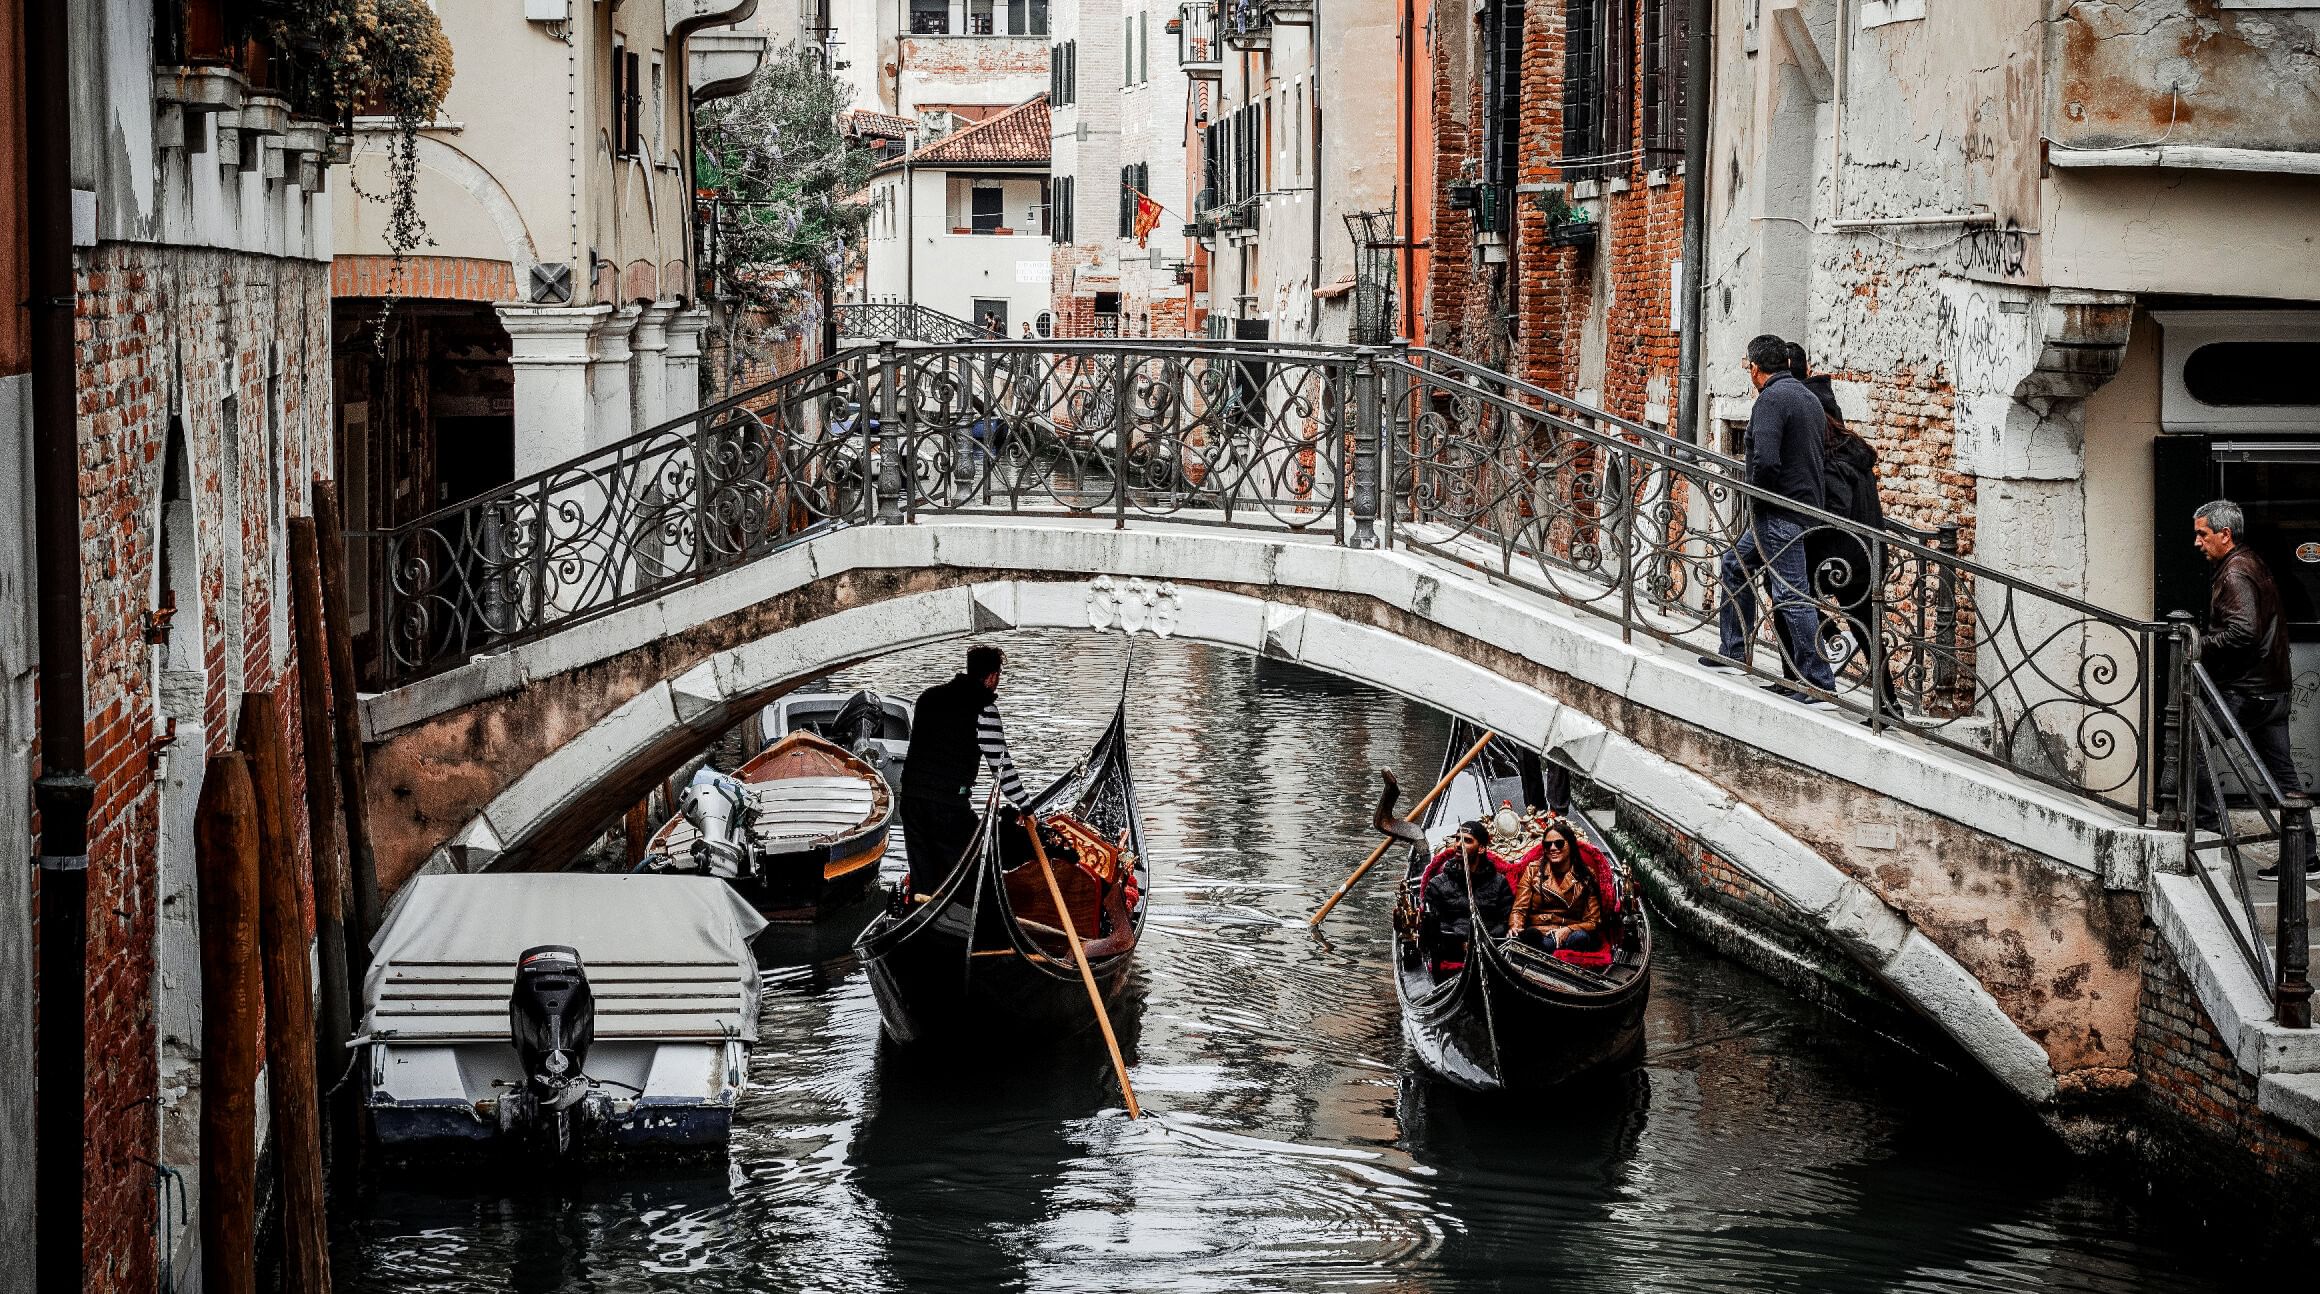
(1567, 226)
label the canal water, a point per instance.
(1288, 1144)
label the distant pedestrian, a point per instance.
(954, 728)
(1786, 432)
(2246, 654)
(1027, 330)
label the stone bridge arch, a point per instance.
(2005, 914)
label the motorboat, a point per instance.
(798, 831)
(561, 1014)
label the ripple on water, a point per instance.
(1762, 1146)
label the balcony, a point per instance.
(1198, 50)
(1248, 24)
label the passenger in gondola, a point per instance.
(1465, 894)
(954, 729)
(1556, 906)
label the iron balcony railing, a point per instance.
(1199, 43)
(1364, 446)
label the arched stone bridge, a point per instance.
(1399, 519)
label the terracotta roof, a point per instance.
(1020, 136)
(881, 125)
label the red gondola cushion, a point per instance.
(1590, 958)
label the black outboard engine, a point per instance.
(551, 1022)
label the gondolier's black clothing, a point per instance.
(954, 727)
(1447, 922)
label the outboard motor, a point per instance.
(718, 808)
(551, 1022)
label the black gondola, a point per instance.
(1508, 1016)
(983, 953)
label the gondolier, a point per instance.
(956, 728)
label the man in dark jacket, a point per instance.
(954, 730)
(1451, 918)
(2246, 652)
(1785, 434)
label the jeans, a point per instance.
(1776, 543)
(2264, 717)
(1577, 941)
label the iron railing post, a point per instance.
(1393, 434)
(2292, 995)
(701, 458)
(1945, 655)
(1120, 392)
(882, 475)
(2179, 702)
(1368, 442)
(1872, 626)
(1622, 478)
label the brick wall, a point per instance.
(157, 325)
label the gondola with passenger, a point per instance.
(986, 952)
(1492, 1012)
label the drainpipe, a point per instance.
(1699, 52)
(1313, 276)
(63, 791)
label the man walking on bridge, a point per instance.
(955, 725)
(2246, 652)
(1785, 434)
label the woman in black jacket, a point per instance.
(1838, 559)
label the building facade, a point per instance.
(202, 208)
(553, 307)
(959, 225)
(1124, 107)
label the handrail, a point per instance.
(1361, 445)
(875, 320)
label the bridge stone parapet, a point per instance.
(2006, 912)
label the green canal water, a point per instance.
(1289, 1143)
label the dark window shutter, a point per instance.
(632, 143)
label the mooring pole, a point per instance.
(347, 711)
(226, 870)
(334, 1017)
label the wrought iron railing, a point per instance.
(1363, 446)
(2212, 757)
(875, 320)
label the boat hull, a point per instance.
(1487, 1031)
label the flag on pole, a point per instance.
(1147, 218)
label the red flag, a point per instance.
(1147, 218)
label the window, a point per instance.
(1027, 17)
(930, 17)
(1598, 87)
(1128, 50)
(1666, 49)
(627, 104)
(987, 208)
(1059, 219)
(979, 17)
(1143, 48)
(1063, 74)
(1297, 129)
(1502, 93)
(1134, 179)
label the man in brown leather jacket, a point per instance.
(2246, 650)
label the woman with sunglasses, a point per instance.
(1555, 903)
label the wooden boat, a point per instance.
(559, 1013)
(1510, 1016)
(985, 953)
(804, 841)
(870, 724)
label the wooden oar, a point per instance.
(1415, 810)
(1087, 974)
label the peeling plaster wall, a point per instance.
(2190, 70)
(971, 69)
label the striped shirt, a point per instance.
(992, 739)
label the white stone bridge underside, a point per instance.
(2006, 914)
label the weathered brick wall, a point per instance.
(2200, 1106)
(157, 325)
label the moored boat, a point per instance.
(986, 952)
(559, 1013)
(798, 831)
(1510, 1016)
(870, 724)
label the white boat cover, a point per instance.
(794, 813)
(667, 957)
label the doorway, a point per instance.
(991, 313)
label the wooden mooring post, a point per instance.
(346, 709)
(291, 1094)
(226, 871)
(343, 956)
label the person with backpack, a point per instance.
(1843, 570)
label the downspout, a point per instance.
(63, 791)
(1699, 52)
(1407, 253)
(1313, 275)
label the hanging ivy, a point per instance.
(380, 58)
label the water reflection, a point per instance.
(1762, 1145)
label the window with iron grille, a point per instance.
(930, 17)
(1598, 88)
(1502, 96)
(1666, 46)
